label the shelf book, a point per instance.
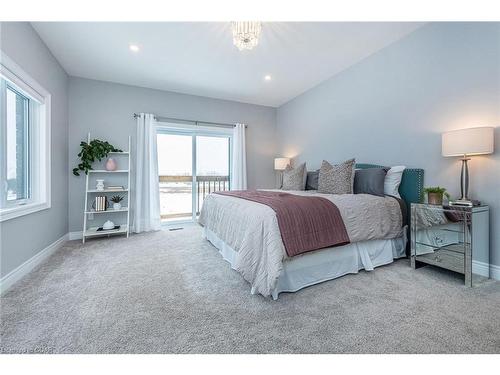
(100, 203)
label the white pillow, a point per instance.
(392, 180)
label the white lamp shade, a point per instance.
(281, 163)
(472, 141)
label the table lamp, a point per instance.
(280, 165)
(465, 143)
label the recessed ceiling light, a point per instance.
(267, 77)
(133, 47)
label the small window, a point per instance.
(24, 143)
(18, 147)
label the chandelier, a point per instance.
(246, 34)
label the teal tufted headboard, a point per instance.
(412, 184)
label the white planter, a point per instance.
(117, 206)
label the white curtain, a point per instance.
(239, 170)
(147, 189)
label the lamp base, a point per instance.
(464, 181)
(279, 183)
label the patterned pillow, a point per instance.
(294, 178)
(336, 179)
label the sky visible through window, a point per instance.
(16, 134)
(175, 155)
(11, 135)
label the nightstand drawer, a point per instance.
(451, 260)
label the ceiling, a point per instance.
(199, 58)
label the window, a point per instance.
(24, 143)
(18, 150)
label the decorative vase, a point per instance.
(435, 198)
(111, 165)
(117, 206)
(99, 185)
(108, 225)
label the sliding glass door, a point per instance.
(192, 163)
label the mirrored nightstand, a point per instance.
(455, 238)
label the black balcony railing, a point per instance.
(204, 185)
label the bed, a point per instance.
(248, 236)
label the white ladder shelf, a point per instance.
(87, 211)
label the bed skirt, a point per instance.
(325, 264)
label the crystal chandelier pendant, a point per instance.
(246, 34)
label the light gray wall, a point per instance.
(23, 237)
(105, 109)
(392, 107)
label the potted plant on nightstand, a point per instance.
(435, 195)
(116, 199)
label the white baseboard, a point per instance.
(495, 272)
(18, 273)
(482, 269)
(75, 235)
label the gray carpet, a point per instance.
(171, 292)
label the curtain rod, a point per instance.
(194, 122)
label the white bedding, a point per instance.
(324, 264)
(251, 230)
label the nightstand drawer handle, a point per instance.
(437, 258)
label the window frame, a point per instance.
(39, 126)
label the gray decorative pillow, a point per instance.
(370, 181)
(336, 179)
(312, 180)
(294, 178)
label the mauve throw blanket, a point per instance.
(305, 223)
